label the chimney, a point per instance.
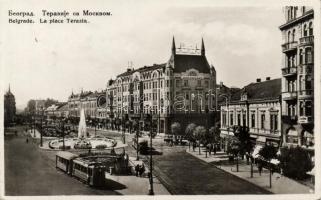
(268, 78)
(258, 80)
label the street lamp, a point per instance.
(42, 110)
(150, 119)
(151, 190)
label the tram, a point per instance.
(89, 172)
(64, 161)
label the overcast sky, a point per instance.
(243, 43)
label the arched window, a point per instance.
(305, 31)
(293, 35)
(310, 29)
(301, 56)
(289, 36)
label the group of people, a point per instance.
(139, 169)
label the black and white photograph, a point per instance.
(160, 98)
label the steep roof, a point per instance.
(266, 90)
(184, 62)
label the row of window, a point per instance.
(305, 108)
(305, 57)
(306, 31)
(305, 83)
(186, 83)
(241, 121)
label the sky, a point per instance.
(52, 60)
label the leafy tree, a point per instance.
(199, 133)
(49, 102)
(175, 128)
(215, 133)
(295, 162)
(234, 149)
(31, 106)
(268, 152)
(243, 135)
(189, 131)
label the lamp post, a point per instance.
(151, 189)
(42, 110)
(137, 134)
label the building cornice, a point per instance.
(309, 14)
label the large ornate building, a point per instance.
(89, 102)
(180, 90)
(9, 108)
(297, 80)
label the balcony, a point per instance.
(289, 46)
(305, 94)
(305, 119)
(289, 95)
(289, 71)
(307, 40)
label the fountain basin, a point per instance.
(77, 143)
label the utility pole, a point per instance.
(63, 134)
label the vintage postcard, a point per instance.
(160, 98)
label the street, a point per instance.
(31, 171)
(28, 172)
(184, 174)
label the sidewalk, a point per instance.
(280, 184)
(132, 185)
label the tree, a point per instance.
(243, 135)
(268, 152)
(49, 102)
(234, 149)
(175, 129)
(31, 106)
(215, 134)
(189, 133)
(295, 162)
(199, 134)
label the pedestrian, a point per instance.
(137, 169)
(141, 170)
(27, 140)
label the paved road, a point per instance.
(29, 172)
(184, 174)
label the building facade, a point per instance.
(180, 90)
(9, 108)
(297, 77)
(256, 106)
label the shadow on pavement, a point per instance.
(113, 185)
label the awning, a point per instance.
(255, 153)
(275, 161)
(292, 132)
(261, 139)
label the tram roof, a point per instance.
(67, 155)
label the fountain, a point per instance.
(82, 133)
(84, 142)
